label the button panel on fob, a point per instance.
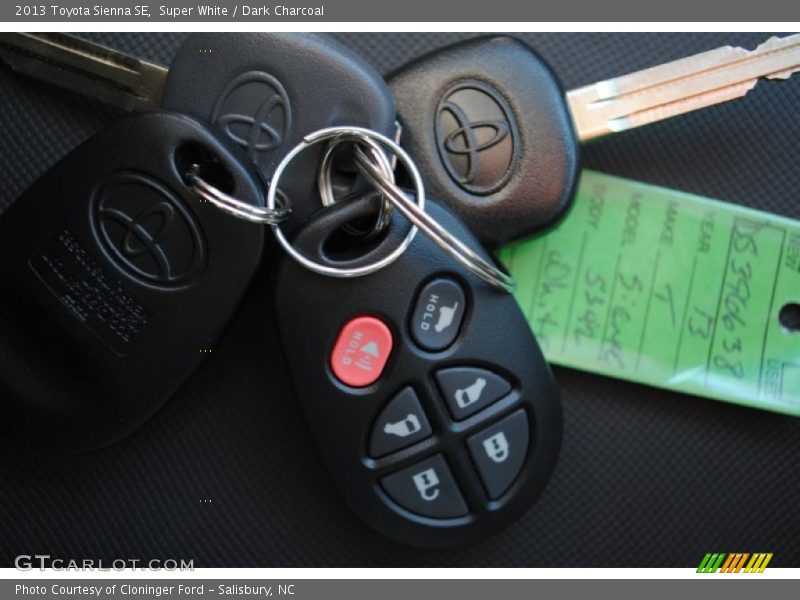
(427, 488)
(423, 387)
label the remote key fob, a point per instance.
(425, 390)
(115, 279)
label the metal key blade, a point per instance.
(679, 87)
(81, 66)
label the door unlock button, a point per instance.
(427, 483)
(427, 488)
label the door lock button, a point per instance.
(499, 452)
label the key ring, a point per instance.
(344, 134)
(388, 167)
(326, 186)
(432, 228)
(234, 206)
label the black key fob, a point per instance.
(116, 278)
(489, 129)
(426, 392)
(266, 91)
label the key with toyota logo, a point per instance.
(496, 137)
(116, 279)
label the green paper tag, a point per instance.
(668, 289)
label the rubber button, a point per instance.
(469, 389)
(500, 451)
(438, 314)
(361, 351)
(428, 489)
(401, 424)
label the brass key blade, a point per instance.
(679, 87)
(81, 66)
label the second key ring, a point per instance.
(449, 243)
(345, 134)
(376, 154)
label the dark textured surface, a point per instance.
(645, 478)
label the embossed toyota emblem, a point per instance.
(476, 135)
(254, 111)
(147, 231)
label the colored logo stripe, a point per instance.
(734, 562)
(710, 562)
(758, 563)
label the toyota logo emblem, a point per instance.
(255, 113)
(476, 137)
(147, 231)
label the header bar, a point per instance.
(443, 11)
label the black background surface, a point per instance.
(646, 477)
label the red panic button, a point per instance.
(361, 351)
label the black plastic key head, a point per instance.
(487, 124)
(266, 91)
(425, 390)
(116, 279)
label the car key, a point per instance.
(265, 91)
(497, 139)
(116, 279)
(423, 386)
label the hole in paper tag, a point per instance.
(789, 317)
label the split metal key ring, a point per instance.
(338, 135)
(432, 228)
(234, 206)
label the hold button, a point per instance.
(438, 314)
